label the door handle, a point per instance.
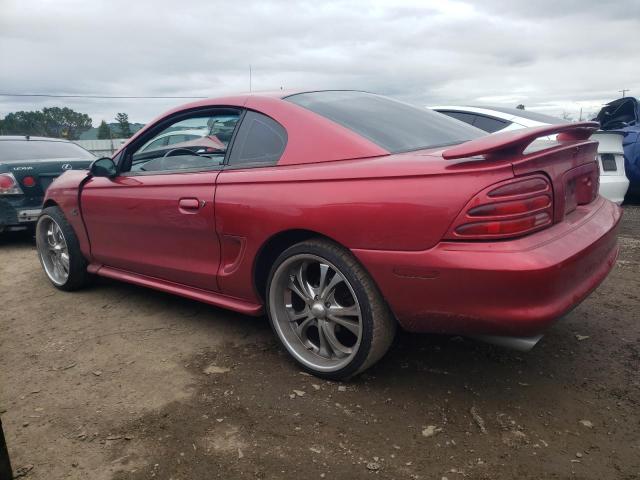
(189, 203)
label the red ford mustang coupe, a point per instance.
(342, 214)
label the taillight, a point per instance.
(513, 208)
(8, 185)
(28, 181)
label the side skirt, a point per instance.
(211, 298)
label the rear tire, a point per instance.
(59, 251)
(326, 310)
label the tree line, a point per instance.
(60, 123)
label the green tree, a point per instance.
(65, 123)
(24, 123)
(50, 122)
(520, 107)
(104, 132)
(123, 123)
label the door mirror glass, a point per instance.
(103, 167)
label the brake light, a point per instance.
(8, 185)
(28, 181)
(514, 208)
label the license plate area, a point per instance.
(608, 161)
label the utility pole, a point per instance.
(624, 90)
(250, 78)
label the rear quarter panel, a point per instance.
(401, 202)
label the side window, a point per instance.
(193, 142)
(463, 117)
(489, 124)
(260, 141)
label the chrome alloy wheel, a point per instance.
(315, 312)
(53, 250)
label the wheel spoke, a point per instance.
(56, 266)
(64, 260)
(352, 325)
(338, 348)
(339, 310)
(295, 316)
(325, 349)
(295, 289)
(335, 280)
(302, 328)
(324, 270)
(50, 236)
(303, 281)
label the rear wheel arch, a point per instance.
(278, 243)
(50, 203)
(271, 250)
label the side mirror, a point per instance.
(103, 167)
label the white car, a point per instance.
(613, 180)
(171, 138)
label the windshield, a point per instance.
(17, 150)
(393, 125)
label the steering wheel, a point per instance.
(179, 149)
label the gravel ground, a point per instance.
(119, 382)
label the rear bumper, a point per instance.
(19, 210)
(516, 287)
(614, 187)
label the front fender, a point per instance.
(65, 193)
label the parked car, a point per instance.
(613, 179)
(27, 166)
(623, 115)
(342, 214)
(179, 138)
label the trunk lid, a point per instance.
(43, 172)
(570, 162)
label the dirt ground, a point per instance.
(120, 382)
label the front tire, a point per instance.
(327, 311)
(59, 251)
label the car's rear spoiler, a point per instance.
(515, 142)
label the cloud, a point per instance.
(549, 55)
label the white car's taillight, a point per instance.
(9, 185)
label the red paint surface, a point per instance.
(392, 211)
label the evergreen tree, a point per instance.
(123, 123)
(104, 132)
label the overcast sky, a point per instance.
(551, 55)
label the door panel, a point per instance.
(162, 226)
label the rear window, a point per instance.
(489, 124)
(393, 125)
(16, 150)
(535, 116)
(463, 117)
